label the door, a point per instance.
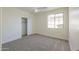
(24, 26)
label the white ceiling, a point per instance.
(32, 9)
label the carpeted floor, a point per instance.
(36, 43)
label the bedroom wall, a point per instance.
(0, 27)
(41, 24)
(12, 24)
(74, 28)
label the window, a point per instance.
(55, 20)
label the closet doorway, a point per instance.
(24, 26)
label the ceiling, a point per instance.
(40, 9)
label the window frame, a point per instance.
(55, 21)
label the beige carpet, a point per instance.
(36, 43)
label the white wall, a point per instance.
(0, 27)
(12, 24)
(41, 24)
(74, 28)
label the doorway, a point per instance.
(24, 26)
